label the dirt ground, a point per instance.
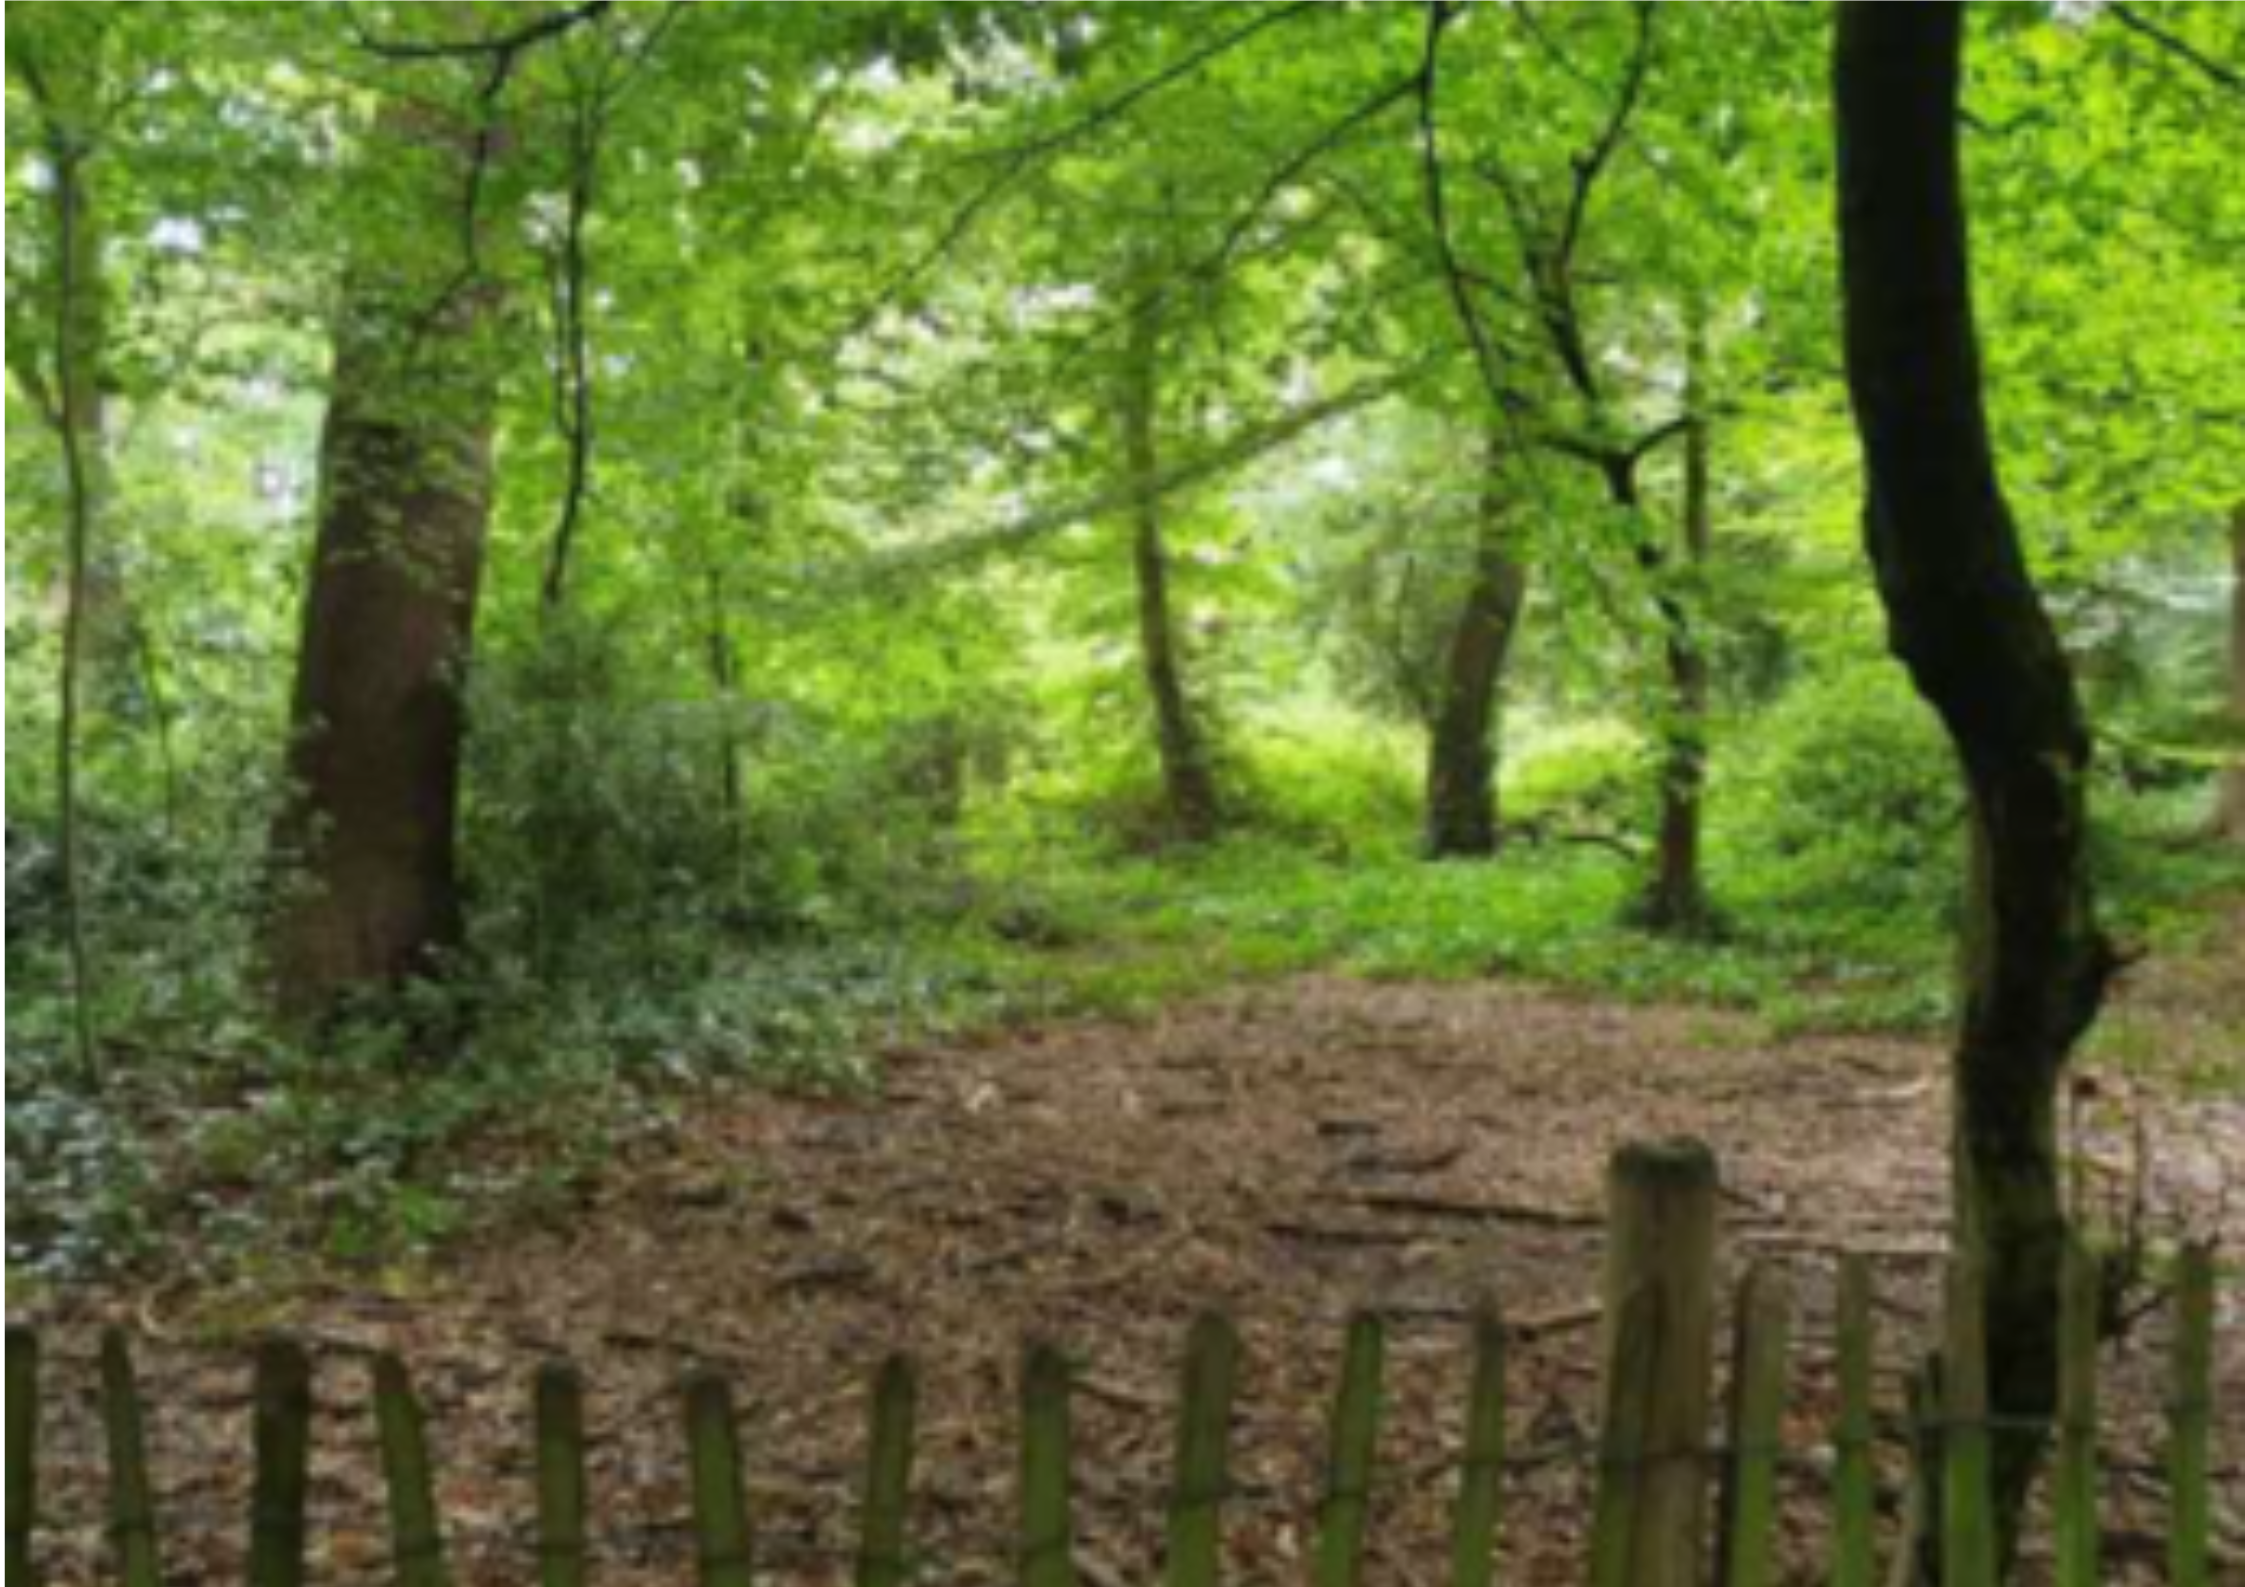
(1290, 1152)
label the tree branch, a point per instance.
(2221, 74)
(1217, 461)
(1027, 157)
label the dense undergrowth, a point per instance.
(592, 1011)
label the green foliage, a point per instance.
(1848, 788)
(1588, 778)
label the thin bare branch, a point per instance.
(2220, 73)
(1022, 160)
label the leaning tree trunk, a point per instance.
(2230, 820)
(1677, 901)
(1462, 820)
(1965, 616)
(1189, 790)
(368, 891)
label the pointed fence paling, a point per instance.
(1632, 1537)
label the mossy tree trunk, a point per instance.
(2230, 818)
(1463, 820)
(1677, 901)
(1966, 618)
(1191, 798)
(367, 892)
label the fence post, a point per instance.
(723, 1537)
(1475, 1526)
(409, 1473)
(23, 1450)
(1202, 1479)
(2074, 1490)
(557, 1418)
(1659, 1350)
(1758, 1372)
(1048, 1527)
(2190, 1529)
(1855, 1485)
(883, 1559)
(281, 1397)
(1968, 1522)
(1345, 1517)
(132, 1503)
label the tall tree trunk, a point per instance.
(1189, 790)
(1965, 617)
(1462, 818)
(365, 842)
(1677, 901)
(78, 426)
(2230, 821)
(63, 61)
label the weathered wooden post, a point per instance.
(1651, 1523)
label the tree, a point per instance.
(1189, 790)
(1677, 898)
(1462, 819)
(2230, 821)
(1589, 417)
(369, 892)
(1965, 617)
(72, 399)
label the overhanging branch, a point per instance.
(1041, 522)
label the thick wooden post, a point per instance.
(1660, 1272)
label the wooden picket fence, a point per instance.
(1657, 1453)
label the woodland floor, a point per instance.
(1291, 1151)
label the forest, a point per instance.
(738, 685)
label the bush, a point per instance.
(606, 812)
(1596, 777)
(1848, 790)
(1335, 786)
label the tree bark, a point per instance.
(1966, 618)
(1462, 815)
(367, 884)
(64, 64)
(2230, 817)
(1677, 901)
(1189, 790)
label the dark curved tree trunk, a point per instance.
(1189, 788)
(1966, 618)
(2230, 818)
(367, 890)
(1462, 816)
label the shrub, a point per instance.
(1595, 777)
(1848, 790)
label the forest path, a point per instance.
(1291, 1151)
